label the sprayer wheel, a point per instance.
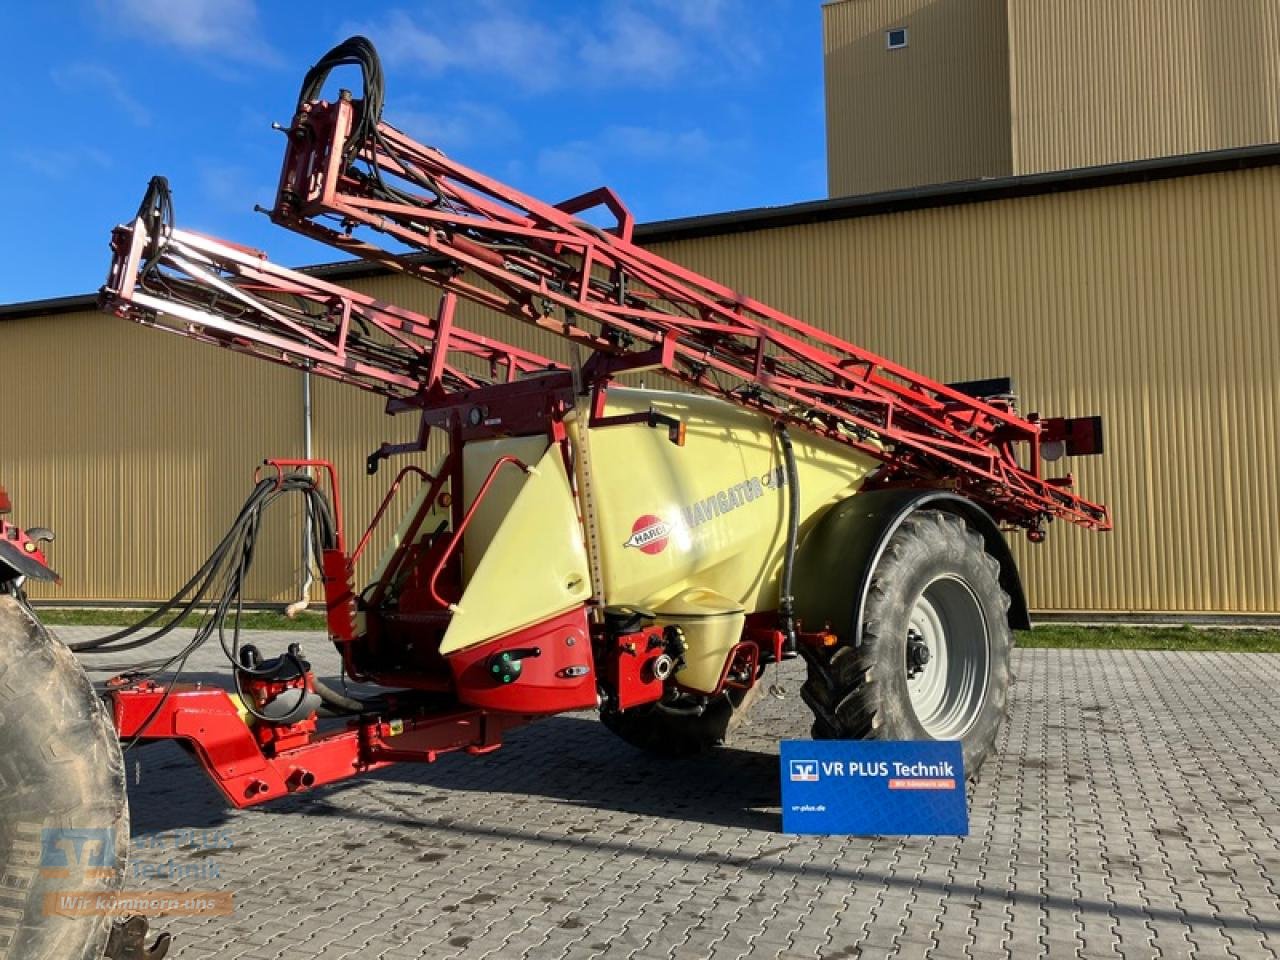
(64, 820)
(933, 662)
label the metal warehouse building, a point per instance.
(1039, 190)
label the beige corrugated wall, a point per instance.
(935, 111)
(988, 88)
(1153, 304)
(1106, 81)
(138, 449)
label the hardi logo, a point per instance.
(649, 534)
(804, 771)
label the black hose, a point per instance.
(222, 575)
(228, 564)
(354, 51)
(341, 702)
(786, 601)
(156, 214)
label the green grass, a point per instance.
(1062, 636)
(249, 620)
(1055, 635)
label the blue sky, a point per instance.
(683, 106)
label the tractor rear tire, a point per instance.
(933, 663)
(64, 822)
(666, 734)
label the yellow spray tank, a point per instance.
(694, 532)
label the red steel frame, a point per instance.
(234, 297)
(542, 265)
(247, 774)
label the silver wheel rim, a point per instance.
(947, 691)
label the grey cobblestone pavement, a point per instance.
(1133, 811)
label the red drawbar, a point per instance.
(249, 773)
(548, 669)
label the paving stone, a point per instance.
(1128, 812)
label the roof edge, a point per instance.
(957, 193)
(960, 192)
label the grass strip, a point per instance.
(1049, 635)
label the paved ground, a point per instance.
(1133, 811)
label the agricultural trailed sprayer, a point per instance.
(579, 545)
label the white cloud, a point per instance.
(634, 43)
(228, 29)
(576, 163)
(634, 48)
(495, 40)
(399, 38)
(581, 163)
(60, 164)
(649, 143)
(229, 186)
(658, 172)
(703, 14)
(460, 126)
(93, 80)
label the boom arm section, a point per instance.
(347, 174)
(231, 296)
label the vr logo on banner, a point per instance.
(804, 771)
(873, 787)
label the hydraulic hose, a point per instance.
(308, 529)
(357, 52)
(223, 574)
(786, 600)
(342, 703)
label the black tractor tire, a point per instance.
(64, 821)
(664, 733)
(935, 585)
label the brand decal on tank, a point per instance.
(731, 498)
(649, 534)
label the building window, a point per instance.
(896, 39)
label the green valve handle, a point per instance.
(506, 667)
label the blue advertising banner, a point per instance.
(873, 787)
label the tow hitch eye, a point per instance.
(128, 941)
(917, 654)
